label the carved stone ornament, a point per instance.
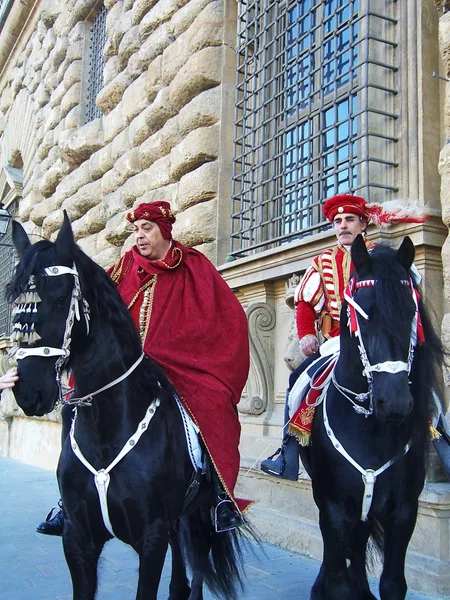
(261, 322)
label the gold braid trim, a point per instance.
(180, 258)
(145, 313)
(149, 283)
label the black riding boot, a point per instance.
(53, 525)
(284, 463)
(225, 514)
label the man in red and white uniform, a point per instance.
(318, 300)
(319, 295)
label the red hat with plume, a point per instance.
(159, 212)
(392, 211)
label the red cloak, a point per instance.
(195, 328)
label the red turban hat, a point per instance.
(158, 212)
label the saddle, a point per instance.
(306, 394)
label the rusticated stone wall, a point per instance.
(167, 96)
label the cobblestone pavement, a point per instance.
(32, 565)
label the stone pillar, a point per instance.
(444, 170)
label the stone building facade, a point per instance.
(104, 106)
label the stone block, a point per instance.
(113, 124)
(184, 17)
(110, 96)
(197, 224)
(112, 68)
(199, 146)
(201, 72)
(206, 30)
(73, 118)
(202, 111)
(74, 181)
(101, 162)
(52, 223)
(154, 83)
(198, 186)
(86, 198)
(52, 177)
(116, 230)
(59, 52)
(150, 49)
(130, 43)
(140, 8)
(83, 143)
(108, 257)
(39, 212)
(135, 98)
(161, 12)
(151, 119)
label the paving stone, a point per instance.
(33, 567)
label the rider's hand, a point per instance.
(309, 345)
(9, 379)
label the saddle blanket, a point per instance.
(306, 393)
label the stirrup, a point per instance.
(224, 500)
(50, 515)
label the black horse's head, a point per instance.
(41, 305)
(384, 314)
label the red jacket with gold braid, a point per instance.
(322, 288)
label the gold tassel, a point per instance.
(302, 437)
(434, 433)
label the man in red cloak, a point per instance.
(194, 327)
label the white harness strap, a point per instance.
(369, 476)
(191, 430)
(102, 477)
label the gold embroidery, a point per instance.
(149, 283)
(145, 312)
(180, 258)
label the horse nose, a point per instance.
(392, 398)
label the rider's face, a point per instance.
(149, 240)
(346, 227)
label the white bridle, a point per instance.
(77, 305)
(389, 366)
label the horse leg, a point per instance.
(82, 559)
(357, 555)
(152, 552)
(333, 580)
(398, 532)
(179, 587)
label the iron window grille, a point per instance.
(316, 114)
(97, 41)
(7, 262)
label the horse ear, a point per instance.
(406, 253)
(65, 240)
(20, 238)
(360, 256)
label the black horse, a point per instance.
(370, 436)
(130, 434)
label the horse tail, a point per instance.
(215, 558)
